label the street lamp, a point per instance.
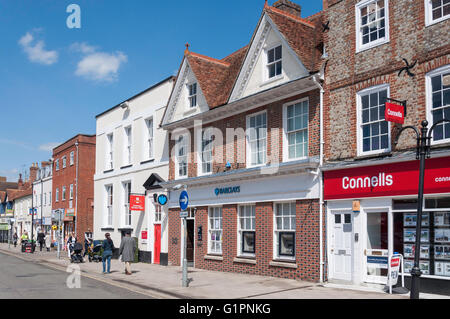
(185, 280)
(423, 149)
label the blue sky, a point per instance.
(55, 80)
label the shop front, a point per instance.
(371, 214)
(255, 224)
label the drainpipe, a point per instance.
(76, 192)
(321, 202)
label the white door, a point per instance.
(341, 246)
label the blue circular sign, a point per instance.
(162, 199)
(184, 200)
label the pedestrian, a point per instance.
(70, 242)
(47, 241)
(40, 239)
(127, 250)
(24, 237)
(15, 238)
(108, 247)
(87, 241)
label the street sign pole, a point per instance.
(184, 202)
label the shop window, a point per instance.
(432, 203)
(215, 230)
(399, 204)
(285, 226)
(435, 241)
(246, 229)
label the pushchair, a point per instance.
(94, 251)
(75, 255)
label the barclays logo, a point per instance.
(227, 190)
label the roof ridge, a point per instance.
(290, 16)
(201, 56)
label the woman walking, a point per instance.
(108, 247)
(127, 250)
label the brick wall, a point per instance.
(274, 144)
(349, 72)
(306, 246)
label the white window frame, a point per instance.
(429, 98)
(429, 14)
(57, 195)
(241, 230)
(267, 65)
(359, 134)
(158, 214)
(362, 47)
(57, 165)
(286, 133)
(71, 191)
(71, 158)
(126, 212)
(191, 97)
(210, 229)
(185, 138)
(150, 141)
(247, 139)
(200, 152)
(276, 231)
(109, 156)
(63, 193)
(109, 205)
(64, 161)
(127, 145)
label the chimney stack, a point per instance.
(20, 182)
(289, 7)
(33, 172)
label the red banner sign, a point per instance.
(137, 202)
(394, 113)
(387, 180)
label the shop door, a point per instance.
(157, 246)
(341, 246)
(376, 253)
(190, 241)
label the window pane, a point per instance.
(286, 244)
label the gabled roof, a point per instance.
(153, 182)
(14, 194)
(217, 78)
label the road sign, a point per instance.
(184, 200)
(183, 214)
(162, 199)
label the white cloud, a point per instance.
(83, 47)
(36, 52)
(101, 66)
(48, 147)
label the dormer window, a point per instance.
(192, 94)
(274, 63)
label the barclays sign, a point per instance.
(227, 190)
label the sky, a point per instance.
(54, 79)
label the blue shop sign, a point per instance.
(227, 190)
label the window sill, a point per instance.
(245, 260)
(147, 161)
(213, 257)
(373, 155)
(283, 263)
(108, 171)
(126, 166)
(107, 228)
(190, 111)
(371, 46)
(433, 22)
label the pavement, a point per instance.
(164, 282)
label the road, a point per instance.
(28, 280)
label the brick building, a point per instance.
(244, 137)
(369, 43)
(75, 160)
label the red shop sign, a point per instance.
(394, 179)
(137, 202)
(394, 113)
(144, 234)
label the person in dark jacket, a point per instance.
(127, 250)
(15, 238)
(108, 247)
(41, 239)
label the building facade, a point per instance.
(73, 183)
(132, 157)
(246, 145)
(380, 50)
(42, 193)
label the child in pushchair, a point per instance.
(94, 251)
(75, 255)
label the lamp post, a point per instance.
(422, 152)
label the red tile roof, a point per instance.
(216, 78)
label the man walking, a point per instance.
(40, 239)
(127, 250)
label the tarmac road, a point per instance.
(21, 279)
